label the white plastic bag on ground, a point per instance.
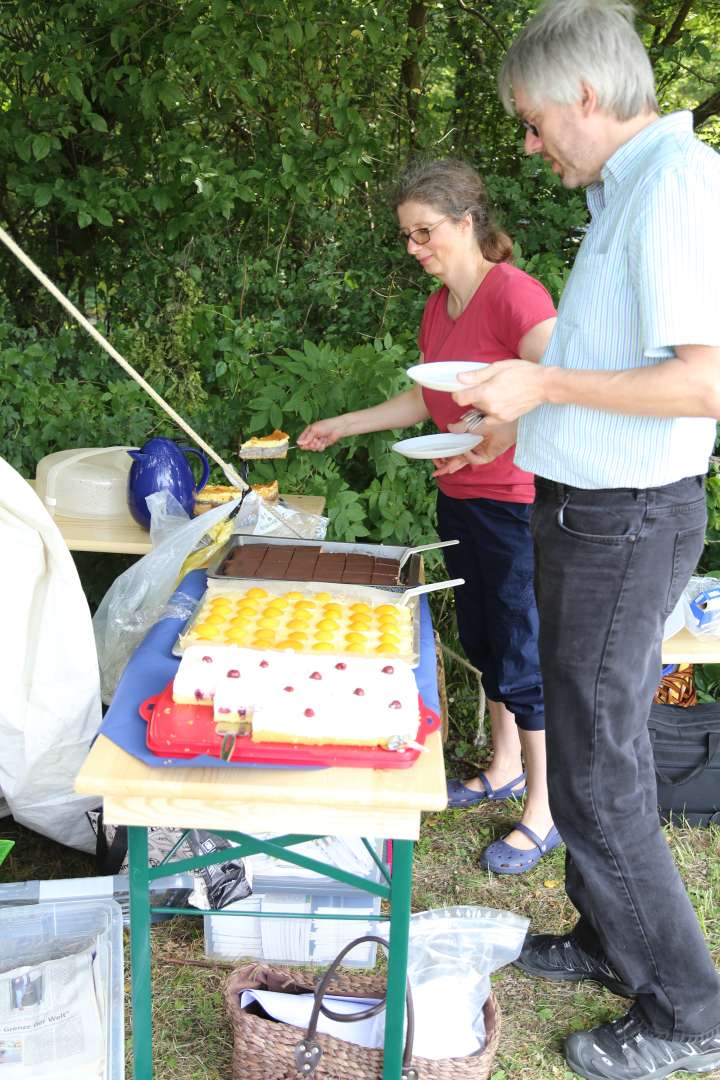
(451, 954)
(50, 704)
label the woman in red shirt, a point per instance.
(486, 310)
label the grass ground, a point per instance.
(192, 1039)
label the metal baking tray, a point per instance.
(368, 593)
(409, 574)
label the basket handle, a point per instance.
(308, 1051)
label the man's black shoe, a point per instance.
(625, 1050)
(561, 958)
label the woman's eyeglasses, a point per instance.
(532, 128)
(420, 236)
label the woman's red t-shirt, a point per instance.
(507, 304)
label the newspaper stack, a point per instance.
(53, 1023)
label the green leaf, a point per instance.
(103, 216)
(257, 63)
(168, 94)
(75, 87)
(97, 122)
(160, 200)
(24, 149)
(41, 146)
(43, 194)
(84, 219)
(117, 36)
(294, 33)
(287, 163)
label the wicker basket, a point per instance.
(266, 1050)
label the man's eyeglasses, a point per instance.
(420, 236)
(532, 128)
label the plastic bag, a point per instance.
(260, 518)
(452, 953)
(216, 886)
(137, 598)
(701, 606)
(50, 705)
(167, 515)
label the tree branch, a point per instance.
(651, 20)
(484, 20)
(674, 32)
(707, 108)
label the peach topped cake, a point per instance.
(303, 622)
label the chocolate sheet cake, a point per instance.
(289, 562)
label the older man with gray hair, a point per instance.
(617, 424)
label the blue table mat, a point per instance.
(152, 666)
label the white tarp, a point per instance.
(50, 701)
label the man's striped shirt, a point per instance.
(645, 279)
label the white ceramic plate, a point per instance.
(436, 446)
(443, 374)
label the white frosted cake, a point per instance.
(302, 699)
(202, 668)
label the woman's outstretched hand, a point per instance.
(322, 433)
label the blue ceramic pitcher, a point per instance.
(160, 465)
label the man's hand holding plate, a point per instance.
(504, 390)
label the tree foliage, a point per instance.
(209, 180)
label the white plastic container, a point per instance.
(294, 941)
(171, 891)
(33, 934)
(88, 482)
(280, 887)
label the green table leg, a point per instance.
(400, 890)
(140, 952)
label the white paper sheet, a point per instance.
(295, 1009)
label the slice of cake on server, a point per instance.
(291, 698)
(274, 445)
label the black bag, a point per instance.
(686, 745)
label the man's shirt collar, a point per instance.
(622, 163)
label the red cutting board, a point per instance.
(185, 731)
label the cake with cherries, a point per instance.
(302, 699)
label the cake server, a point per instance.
(431, 586)
(425, 547)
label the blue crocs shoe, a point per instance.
(460, 795)
(502, 858)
